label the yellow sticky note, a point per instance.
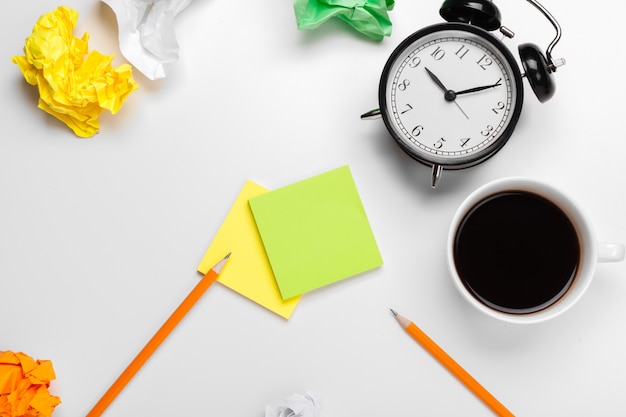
(249, 272)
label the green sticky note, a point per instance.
(369, 17)
(315, 232)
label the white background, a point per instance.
(100, 237)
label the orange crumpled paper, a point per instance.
(24, 386)
(72, 88)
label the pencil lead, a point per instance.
(393, 312)
(218, 266)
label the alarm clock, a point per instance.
(451, 93)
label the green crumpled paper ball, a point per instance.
(369, 17)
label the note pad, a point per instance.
(248, 272)
(315, 232)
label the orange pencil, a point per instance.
(454, 368)
(157, 339)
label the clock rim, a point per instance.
(444, 161)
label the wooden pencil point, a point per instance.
(455, 369)
(152, 345)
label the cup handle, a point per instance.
(611, 252)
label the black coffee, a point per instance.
(516, 252)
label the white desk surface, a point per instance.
(100, 237)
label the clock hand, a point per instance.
(464, 114)
(448, 95)
(475, 89)
(436, 79)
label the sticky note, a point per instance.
(248, 271)
(315, 232)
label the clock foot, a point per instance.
(372, 114)
(435, 175)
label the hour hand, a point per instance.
(449, 95)
(436, 79)
(481, 88)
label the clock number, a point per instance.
(408, 108)
(417, 130)
(498, 108)
(484, 62)
(404, 85)
(438, 53)
(439, 144)
(415, 62)
(487, 130)
(463, 50)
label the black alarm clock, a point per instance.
(451, 94)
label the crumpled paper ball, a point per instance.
(72, 88)
(146, 33)
(24, 386)
(369, 17)
(297, 405)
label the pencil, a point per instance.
(452, 366)
(158, 338)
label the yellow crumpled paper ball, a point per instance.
(72, 88)
(24, 386)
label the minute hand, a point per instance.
(475, 89)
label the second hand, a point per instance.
(464, 114)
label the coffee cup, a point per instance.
(522, 251)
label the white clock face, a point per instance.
(451, 96)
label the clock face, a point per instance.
(451, 95)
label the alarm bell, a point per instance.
(485, 14)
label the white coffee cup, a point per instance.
(590, 251)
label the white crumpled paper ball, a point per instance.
(146, 33)
(297, 405)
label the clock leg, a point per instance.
(372, 114)
(435, 175)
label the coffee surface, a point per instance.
(516, 252)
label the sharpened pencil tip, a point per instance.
(393, 312)
(218, 266)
